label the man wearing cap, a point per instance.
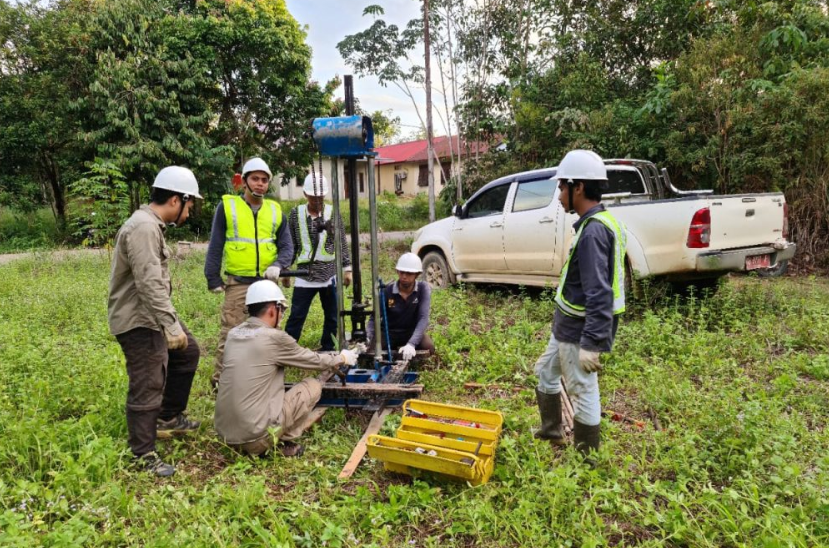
(252, 406)
(589, 300)
(311, 226)
(250, 233)
(407, 302)
(161, 353)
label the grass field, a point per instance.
(27, 231)
(738, 381)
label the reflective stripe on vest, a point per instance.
(322, 255)
(250, 241)
(620, 245)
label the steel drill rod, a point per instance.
(375, 259)
(338, 253)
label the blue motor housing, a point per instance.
(344, 136)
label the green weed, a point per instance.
(737, 382)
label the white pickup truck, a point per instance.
(514, 231)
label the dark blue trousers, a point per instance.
(301, 303)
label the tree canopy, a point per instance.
(136, 85)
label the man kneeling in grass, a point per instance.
(252, 397)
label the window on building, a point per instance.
(423, 175)
(445, 173)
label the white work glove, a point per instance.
(218, 289)
(408, 352)
(589, 360)
(349, 356)
(272, 273)
(175, 336)
(347, 278)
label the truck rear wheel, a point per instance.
(436, 271)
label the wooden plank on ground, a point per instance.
(360, 449)
(366, 390)
(566, 408)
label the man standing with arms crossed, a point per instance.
(251, 234)
(309, 227)
(589, 300)
(161, 354)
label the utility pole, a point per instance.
(429, 151)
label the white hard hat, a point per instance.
(256, 164)
(409, 262)
(320, 189)
(178, 179)
(582, 165)
(265, 291)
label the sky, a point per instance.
(327, 22)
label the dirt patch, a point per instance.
(626, 533)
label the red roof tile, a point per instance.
(415, 151)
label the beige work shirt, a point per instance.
(252, 385)
(139, 283)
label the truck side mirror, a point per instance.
(457, 211)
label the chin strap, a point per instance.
(251, 190)
(184, 199)
(570, 184)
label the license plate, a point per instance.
(758, 261)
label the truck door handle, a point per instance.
(496, 224)
(546, 220)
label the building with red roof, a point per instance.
(400, 169)
(403, 169)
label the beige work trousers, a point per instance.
(234, 312)
(299, 401)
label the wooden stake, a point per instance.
(360, 449)
(567, 408)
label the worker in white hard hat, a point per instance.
(250, 233)
(311, 227)
(589, 300)
(253, 409)
(408, 303)
(161, 353)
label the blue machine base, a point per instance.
(356, 375)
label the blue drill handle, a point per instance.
(385, 317)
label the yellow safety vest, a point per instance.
(620, 242)
(322, 256)
(250, 240)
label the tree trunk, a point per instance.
(52, 175)
(429, 153)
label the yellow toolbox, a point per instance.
(449, 440)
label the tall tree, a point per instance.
(145, 102)
(257, 59)
(43, 68)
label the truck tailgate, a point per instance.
(746, 220)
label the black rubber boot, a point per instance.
(549, 406)
(586, 438)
